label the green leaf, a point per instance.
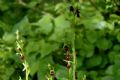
(92, 36)
(45, 24)
(63, 31)
(79, 41)
(4, 5)
(87, 50)
(23, 26)
(1, 32)
(9, 38)
(112, 55)
(107, 78)
(5, 27)
(61, 72)
(104, 44)
(32, 46)
(109, 70)
(118, 36)
(32, 4)
(47, 48)
(43, 67)
(94, 61)
(116, 47)
(93, 74)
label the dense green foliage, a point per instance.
(46, 25)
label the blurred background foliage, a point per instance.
(45, 26)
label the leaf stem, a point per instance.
(68, 74)
(74, 58)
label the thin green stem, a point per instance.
(68, 74)
(73, 49)
(27, 70)
(84, 77)
(50, 78)
(21, 53)
(26, 76)
(74, 58)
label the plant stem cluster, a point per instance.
(21, 54)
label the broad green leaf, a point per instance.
(109, 70)
(63, 30)
(94, 61)
(4, 5)
(92, 36)
(23, 26)
(47, 48)
(93, 74)
(112, 55)
(43, 67)
(87, 50)
(116, 47)
(9, 38)
(45, 24)
(104, 44)
(5, 27)
(79, 41)
(61, 72)
(32, 46)
(32, 4)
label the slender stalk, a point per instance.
(74, 58)
(68, 74)
(20, 52)
(84, 77)
(73, 48)
(27, 71)
(26, 76)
